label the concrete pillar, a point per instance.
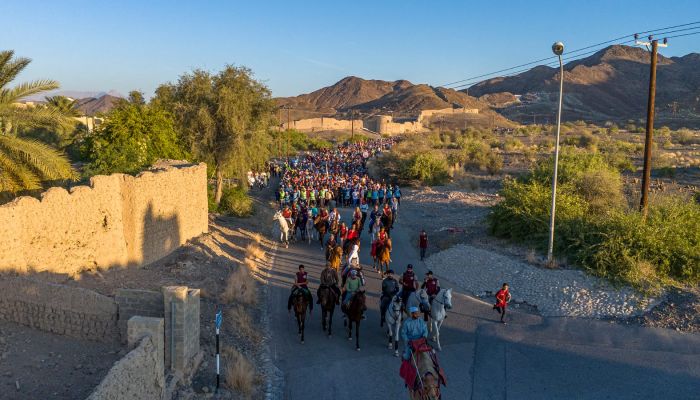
(181, 306)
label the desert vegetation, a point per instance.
(596, 226)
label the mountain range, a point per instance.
(610, 85)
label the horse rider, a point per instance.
(287, 214)
(386, 213)
(352, 285)
(408, 283)
(354, 256)
(412, 329)
(431, 285)
(323, 214)
(301, 282)
(373, 216)
(329, 279)
(390, 287)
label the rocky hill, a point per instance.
(610, 85)
(95, 105)
(401, 98)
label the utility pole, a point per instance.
(289, 132)
(646, 176)
(352, 125)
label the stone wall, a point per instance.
(182, 310)
(323, 124)
(135, 302)
(119, 220)
(429, 113)
(59, 309)
(140, 374)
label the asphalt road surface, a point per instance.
(529, 358)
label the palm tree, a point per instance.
(64, 105)
(24, 163)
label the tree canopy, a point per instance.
(133, 136)
(222, 118)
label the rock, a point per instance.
(205, 389)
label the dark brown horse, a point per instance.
(353, 313)
(300, 306)
(328, 299)
(387, 222)
(382, 256)
(320, 226)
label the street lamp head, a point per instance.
(558, 48)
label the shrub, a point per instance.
(237, 202)
(240, 373)
(429, 168)
(240, 287)
(686, 137)
(594, 228)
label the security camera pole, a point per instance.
(558, 49)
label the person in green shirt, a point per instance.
(352, 285)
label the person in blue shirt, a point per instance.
(380, 193)
(412, 329)
(397, 193)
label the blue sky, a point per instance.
(297, 47)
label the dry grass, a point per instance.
(532, 258)
(240, 322)
(254, 251)
(645, 278)
(239, 374)
(240, 287)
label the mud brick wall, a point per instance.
(134, 302)
(119, 220)
(59, 309)
(138, 375)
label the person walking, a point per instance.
(423, 243)
(502, 299)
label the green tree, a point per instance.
(64, 105)
(133, 136)
(25, 163)
(223, 119)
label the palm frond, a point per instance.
(15, 176)
(9, 68)
(29, 117)
(45, 161)
(25, 89)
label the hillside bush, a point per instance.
(429, 168)
(236, 202)
(594, 227)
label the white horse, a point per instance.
(284, 228)
(310, 231)
(393, 317)
(375, 228)
(438, 311)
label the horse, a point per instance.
(321, 228)
(392, 317)
(300, 304)
(335, 227)
(335, 258)
(328, 299)
(300, 223)
(428, 377)
(353, 313)
(375, 228)
(309, 228)
(438, 311)
(283, 226)
(419, 299)
(388, 222)
(382, 256)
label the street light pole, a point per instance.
(558, 49)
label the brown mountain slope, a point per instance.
(348, 92)
(91, 106)
(609, 85)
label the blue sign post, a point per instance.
(219, 318)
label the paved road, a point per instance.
(530, 358)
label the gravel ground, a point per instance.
(555, 293)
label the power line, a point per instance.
(575, 51)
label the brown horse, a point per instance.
(387, 222)
(382, 257)
(353, 313)
(321, 228)
(335, 257)
(300, 304)
(428, 385)
(335, 227)
(328, 299)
